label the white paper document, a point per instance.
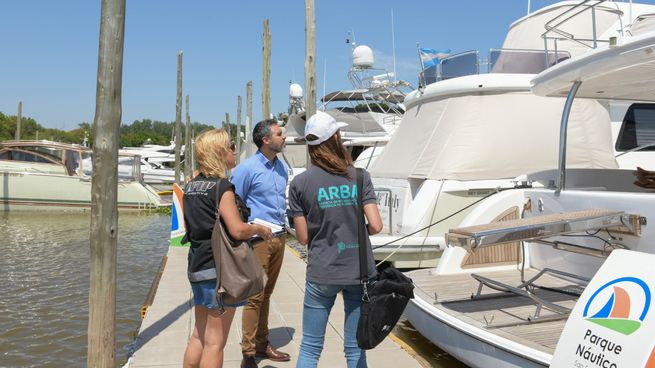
(275, 229)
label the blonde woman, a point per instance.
(203, 195)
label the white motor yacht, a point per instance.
(372, 109)
(469, 133)
(44, 175)
(517, 264)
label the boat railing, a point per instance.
(555, 27)
(523, 61)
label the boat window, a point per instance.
(20, 155)
(499, 61)
(523, 61)
(53, 154)
(638, 128)
(458, 65)
(465, 63)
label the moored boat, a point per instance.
(44, 175)
(511, 313)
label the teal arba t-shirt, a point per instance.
(329, 203)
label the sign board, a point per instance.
(613, 323)
(390, 200)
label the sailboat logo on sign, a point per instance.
(620, 305)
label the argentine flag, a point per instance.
(430, 57)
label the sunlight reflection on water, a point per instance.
(44, 270)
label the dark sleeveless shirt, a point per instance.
(201, 196)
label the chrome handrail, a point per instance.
(581, 8)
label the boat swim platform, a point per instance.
(169, 322)
(505, 314)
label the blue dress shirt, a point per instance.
(262, 185)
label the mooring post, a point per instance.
(227, 124)
(101, 334)
(310, 62)
(249, 123)
(178, 118)
(266, 72)
(238, 137)
(18, 119)
(187, 142)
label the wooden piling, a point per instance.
(310, 62)
(178, 118)
(227, 124)
(238, 135)
(101, 335)
(187, 142)
(19, 116)
(266, 72)
(249, 124)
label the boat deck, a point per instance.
(505, 314)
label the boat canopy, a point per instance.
(494, 136)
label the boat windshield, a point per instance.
(499, 61)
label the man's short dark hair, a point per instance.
(261, 130)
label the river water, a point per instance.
(44, 284)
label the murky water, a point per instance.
(44, 282)
(429, 354)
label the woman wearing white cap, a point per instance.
(323, 202)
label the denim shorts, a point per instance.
(204, 293)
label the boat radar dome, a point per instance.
(295, 90)
(363, 57)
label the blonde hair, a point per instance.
(211, 148)
(330, 155)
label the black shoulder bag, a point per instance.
(384, 300)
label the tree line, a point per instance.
(132, 135)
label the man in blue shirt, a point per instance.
(261, 182)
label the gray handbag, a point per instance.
(239, 275)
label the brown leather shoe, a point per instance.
(248, 362)
(274, 355)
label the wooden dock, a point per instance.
(169, 321)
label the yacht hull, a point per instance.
(463, 343)
(39, 192)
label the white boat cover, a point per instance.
(494, 136)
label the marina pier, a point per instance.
(169, 321)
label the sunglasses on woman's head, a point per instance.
(233, 147)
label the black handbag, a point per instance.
(384, 300)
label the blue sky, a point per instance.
(51, 48)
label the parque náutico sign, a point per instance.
(613, 324)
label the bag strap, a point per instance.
(361, 228)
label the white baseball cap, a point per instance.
(323, 126)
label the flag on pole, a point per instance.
(430, 57)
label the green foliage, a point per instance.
(29, 129)
(132, 135)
